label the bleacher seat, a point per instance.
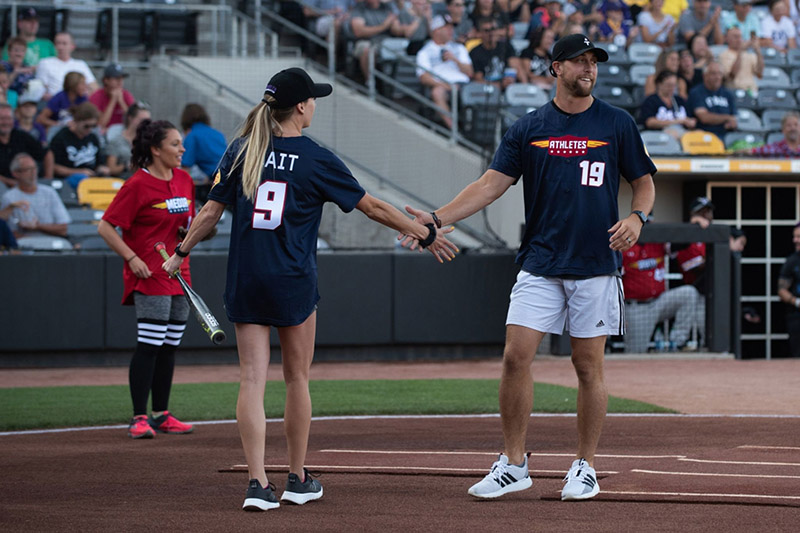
(92, 244)
(660, 143)
(773, 58)
(775, 136)
(749, 121)
(745, 99)
(640, 72)
(701, 142)
(135, 29)
(793, 57)
(51, 21)
(520, 30)
(519, 45)
(776, 98)
(513, 113)
(774, 77)
(476, 94)
(637, 93)
(97, 193)
(479, 111)
(771, 118)
(645, 53)
(618, 96)
(78, 231)
(79, 214)
(795, 76)
(64, 190)
(523, 94)
(749, 138)
(612, 75)
(44, 243)
(404, 71)
(616, 54)
(175, 28)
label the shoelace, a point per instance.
(310, 476)
(498, 469)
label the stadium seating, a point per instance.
(618, 96)
(745, 99)
(519, 45)
(776, 98)
(771, 118)
(479, 111)
(520, 30)
(774, 77)
(84, 215)
(750, 138)
(51, 21)
(612, 75)
(135, 29)
(639, 73)
(616, 54)
(513, 113)
(749, 121)
(523, 94)
(44, 243)
(97, 193)
(773, 57)
(774, 137)
(645, 53)
(793, 57)
(64, 190)
(795, 76)
(701, 142)
(660, 143)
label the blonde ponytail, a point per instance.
(261, 123)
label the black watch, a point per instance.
(179, 253)
(641, 216)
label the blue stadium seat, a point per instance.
(795, 76)
(773, 58)
(749, 121)
(771, 118)
(776, 98)
(774, 77)
(793, 57)
(660, 143)
(745, 99)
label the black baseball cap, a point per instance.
(114, 70)
(294, 85)
(572, 46)
(27, 14)
(700, 203)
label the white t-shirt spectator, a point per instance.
(52, 71)
(646, 19)
(430, 57)
(780, 32)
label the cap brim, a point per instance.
(322, 89)
(602, 55)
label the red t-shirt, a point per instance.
(150, 210)
(643, 271)
(100, 99)
(692, 261)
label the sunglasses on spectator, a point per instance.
(89, 126)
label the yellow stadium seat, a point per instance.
(701, 142)
(98, 192)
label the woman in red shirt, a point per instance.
(152, 206)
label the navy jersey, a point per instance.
(570, 167)
(272, 261)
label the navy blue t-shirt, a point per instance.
(272, 261)
(570, 167)
(721, 101)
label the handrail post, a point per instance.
(332, 51)
(453, 112)
(115, 34)
(259, 29)
(371, 74)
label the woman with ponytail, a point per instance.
(276, 181)
(153, 205)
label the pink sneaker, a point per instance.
(140, 428)
(167, 423)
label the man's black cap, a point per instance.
(27, 14)
(572, 46)
(700, 203)
(294, 85)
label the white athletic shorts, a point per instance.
(586, 308)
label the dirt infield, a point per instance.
(657, 473)
(411, 474)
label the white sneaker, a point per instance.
(580, 482)
(502, 479)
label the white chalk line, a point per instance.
(699, 494)
(759, 447)
(417, 452)
(757, 463)
(710, 474)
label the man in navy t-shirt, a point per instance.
(713, 105)
(570, 154)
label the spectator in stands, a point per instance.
(701, 53)
(112, 99)
(57, 111)
(550, 16)
(742, 18)
(665, 110)
(667, 60)
(494, 61)
(777, 29)
(45, 213)
(462, 24)
(655, 26)
(489, 9)
(204, 147)
(13, 141)
(585, 13)
(741, 67)
(8, 244)
(27, 28)
(535, 59)
(25, 118)
(686, 71)
(370, 22)
(701, 20)
(614, 28)
(76, 148)
(7, 96)
(647, 303)
(789, 293)
(449, 62)
(119, 145)
(789, 146)
(713, 105)
(517, 10)
(327, 13)
(675, 8)
(413, 24)
(53, 70)
(19, 72)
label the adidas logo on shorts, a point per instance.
(600, 324)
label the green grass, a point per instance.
(49, 407)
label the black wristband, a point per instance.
(179, 253)
(427, 241)
(436, 220)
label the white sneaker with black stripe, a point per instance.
(580, 482)
(502, 479)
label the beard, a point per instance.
(576, 88)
